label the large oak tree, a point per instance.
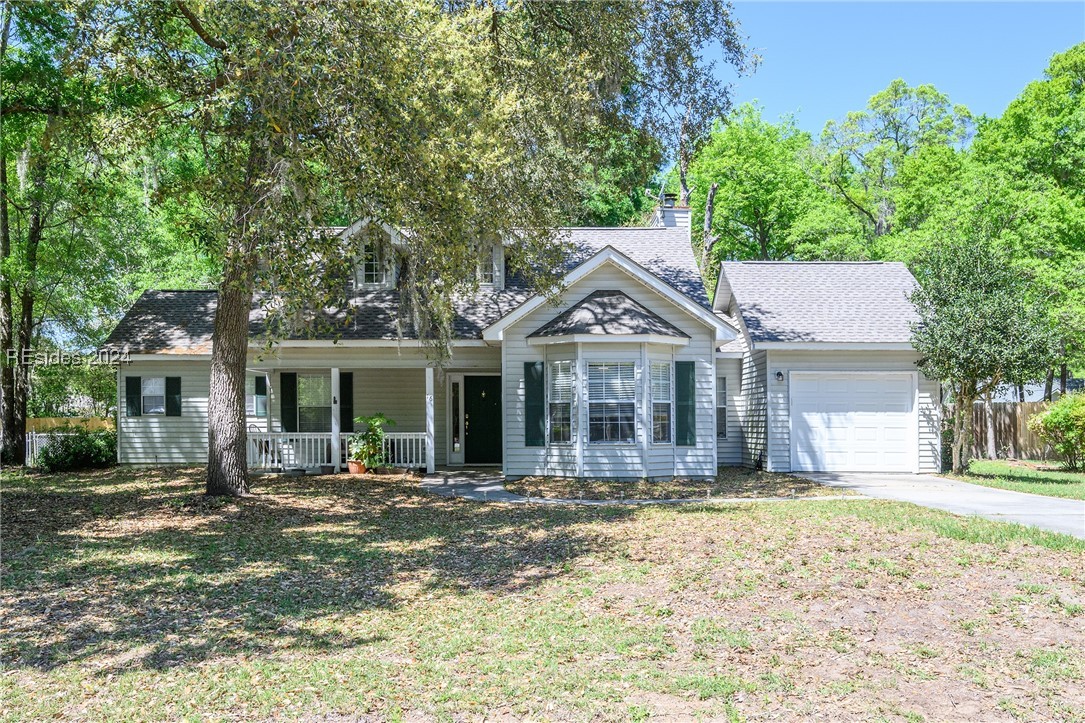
(456, 120)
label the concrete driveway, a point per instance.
(961, 498)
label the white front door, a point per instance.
(854, 422)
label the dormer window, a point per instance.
(491, 267)
(371, 267)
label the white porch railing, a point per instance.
(281, 450)
(35, 441)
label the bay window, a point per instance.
(612, 402)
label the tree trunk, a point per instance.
(9, 454)
(709, 238)
(227, 458)
(962, 430)
(989, 420)
(1063, 378)
(1048, 384)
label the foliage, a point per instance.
(977, 327)
(368, 446)
(78, 234)
(458, 121)
(60, 390)
(864, 152)
(75, 449)
(763, 187)
(622, 162)
(1062, 425)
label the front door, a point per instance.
(482, 420)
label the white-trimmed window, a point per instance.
(153, 394)
(721, 407)
(662, 401)
(612, 402)
(255, 396)
(372, 269)
(314, 403)
(486, 264)
(561, 402)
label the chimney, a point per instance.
(670, 215)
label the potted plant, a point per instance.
(365, 449)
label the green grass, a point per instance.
(1039, 478)
(126, 595)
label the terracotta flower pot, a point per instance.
(356, 466)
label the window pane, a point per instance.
(314, 419)
(154, 404)
(456, 417)
(561, 381)
(661, 422)
(612, 381)
(261, 406)
(486, 264)
(721, 406)
(611, 422)
(661, 381)
(561, 427)
(155, 386)
(314, 390)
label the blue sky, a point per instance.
(822, 59)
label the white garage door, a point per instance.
(853, 422)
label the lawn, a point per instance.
(1039, 478)
(730, 482)
(127, 596)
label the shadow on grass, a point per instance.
(135, 568)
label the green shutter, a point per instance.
(288, 401)
(346, 401)
(534, 405)
(173, 396)
(685, 403)
(133, 401)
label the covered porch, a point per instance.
(303, 418)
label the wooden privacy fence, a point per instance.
(1012, 436)
(48, 424)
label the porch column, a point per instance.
(336, 426)
(430, 426)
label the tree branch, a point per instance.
(199, 29)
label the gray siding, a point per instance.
(641, 459)
(729, 448)
(779, 448)
(752, 409)
(157, 439)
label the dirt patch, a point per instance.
(731, 482)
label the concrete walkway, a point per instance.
(489, 486)
(962, 498)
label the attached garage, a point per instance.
(854, 421)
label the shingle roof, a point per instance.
(608, 313)
(665, 252)
(834, 302)
(182, 321)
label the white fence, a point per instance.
(35, 441)
(281, 450)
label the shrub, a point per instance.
(1062, 425)
(78, 449)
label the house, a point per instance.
(632, 373)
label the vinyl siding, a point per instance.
(392, 381)
(612, 461)
(729, 449)
(751, 404)
(158, 439)
(779, 447)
